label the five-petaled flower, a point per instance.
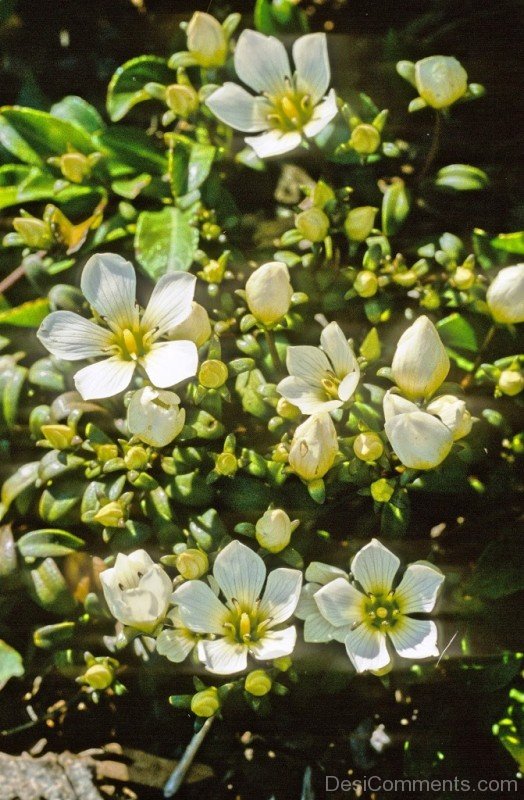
(321, 379)
(374, 610)
(289, 106)
(125, 335)
(250, 621)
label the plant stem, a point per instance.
(12, 278)
(468, 379)
(275, 358)
(176, 778)
(435, 144)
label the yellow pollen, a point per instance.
(290, 110)
(382, 612)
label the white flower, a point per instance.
(125, 336)
(505, 296)
(321, 379)
(273, 530)
(420, 440)
(155, 416)
(196, 328)
(316, 627)
(288, 106)
(314, 447)
(137, 591)
(249, 622)
(269, 292)
(439, 80)
(176, 642)
(420, 363)
(206, 40)
(453, 413)
(376, 610)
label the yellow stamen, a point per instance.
(245, 626)
(130, 343)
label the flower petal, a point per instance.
(417, 591)
(175, 644)
(200, 609)
(367, 649)
(281, 595)
(169, 363)
(348, 386)
(308, 363)
(261, 62)
(375, 567)
(309, 399)
(274, 143)
(274, 644)
(317, 629)
(340, 603)
(104, 379)
(240, 573)
(109, 285)
(69, 336)
(338, 350)
(171, 302)
(223, 656)
(324, 573)
(239, 109)
(310, 54)
(306, 604)
(420, 440)
(414, 638)
(393, 405)
(157, 582)
(323, 113)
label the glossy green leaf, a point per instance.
(12, 377)
(11, 664)
(33, 136)
(48, 542)
(201, 160)
(126, 88)
(165, 241)
(461, 178)
(280, 17)
(75, 109)
(50, 588)
(456, 331)
(500, 569)
(509, 242)
(17, 483)
(396, 204)
(28, 315)
(130, 149)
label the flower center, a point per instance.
(330, 384)
(132, 344)
(291, 110)
(381, 611)
(245, 626)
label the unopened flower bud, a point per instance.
(206, 40)
(106, 452)
(420, 363)
(226, 464)
(359, 223)
(283, 663)
(314, 447)
(155, 416)
(35, 232)
(58, 436)
(365, 139)
(382, 491)
(205, 703)
(463, 278)
(440, 80)
(75, 167)
(366, 283)
(181, 99)
(111, 515)
(511, 382)
(213, 374)
(269, 292)
(192, 563)
(273, 530)
(368, 446)
(287, 410)
(99, 676)
(505, 296)
(313, 224)
(196, 327)
(136, 458)
(258, 683)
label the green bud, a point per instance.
(192, 564)
(368, 446)
(313, 224)
(111, 515)
(407, 279)
(99, 676)
(181, 100)
(74, 167)
(382, 491)
(106, 452)
(366, 283)
(226, 464)
(213, 374)
(283, 664)
(463, 278)
(365, 139)
(58, 436)
(511, 382)
(287, 410)
(205, 703)
(136, 458)
(258, 683)
(359, 223)
(35, 232)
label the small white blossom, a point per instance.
(420, 363)
(321, 378)
(155, 416)
(137, 591)
(289, 105)
(250, 621)
(372, 611)
(123, 335)
(505, 296)
(420, 440)
(314, 447)
(269, 292)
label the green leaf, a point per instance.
(75, 109)
(280, 16)
(500, 569)
(50, 588)
(396, 204)
(396, 514)
(11, 664)
(509, 242)
(28, 315)
(130, 149)
(12, 377)
(33, 136)
(165, 241)
(462, 178)
(53, 635)
(200, 161)
(126, 88)
(455, 331)
(48, 542)
(17, 483)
